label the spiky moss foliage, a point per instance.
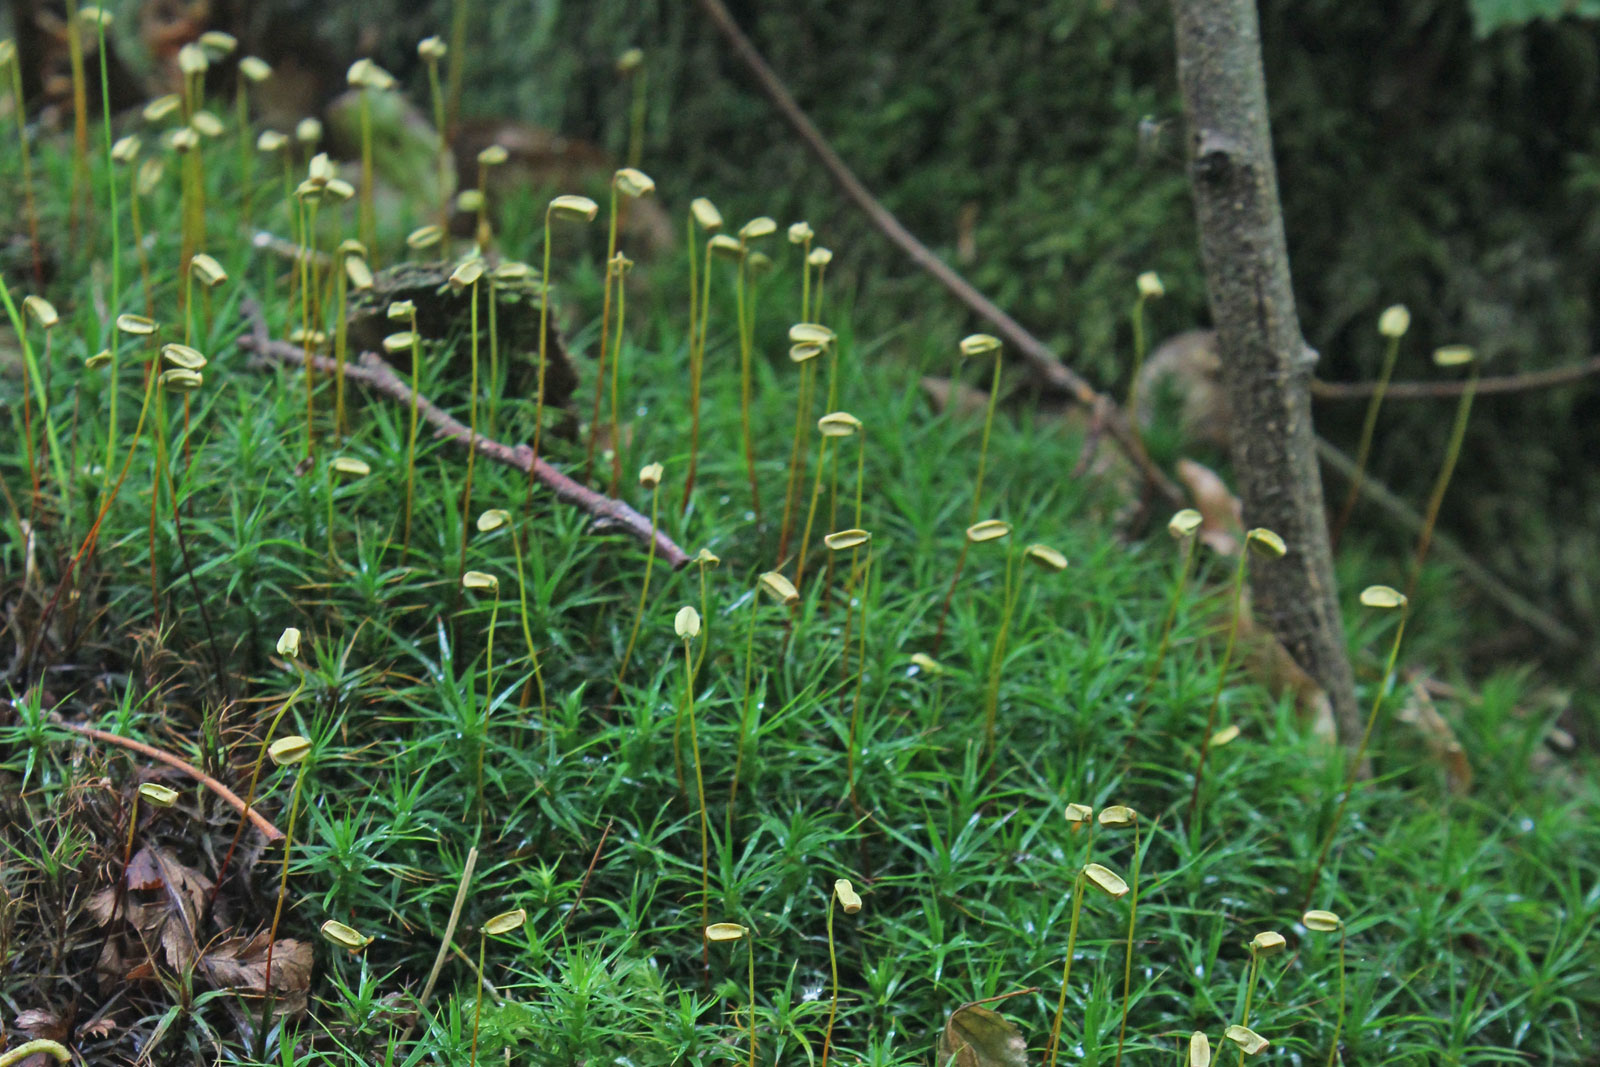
(1467, 916)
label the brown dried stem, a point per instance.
(374, 372)
(269, 831)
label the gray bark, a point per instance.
(1266, 364)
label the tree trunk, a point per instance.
(1266, 364)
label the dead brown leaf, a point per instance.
(43, 1023)
(241, 963)
(956, 397)
(1274, 669)
(1221, 514)
(1438, 738)
(161, 907)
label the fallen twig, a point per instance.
(1506, 383)
(1470, 569)
(373, 371)
(1044, 362)
(269, 831)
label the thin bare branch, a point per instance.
(269, 831)
(1507, 383)
(373, 371)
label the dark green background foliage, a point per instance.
(1419, 162)
(1441, 153)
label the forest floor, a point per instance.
(522, 780)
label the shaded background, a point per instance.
(1438, 153)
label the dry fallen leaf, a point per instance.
(1221, 515)
(957, 397)
(241, 963)
(1271, 666)
(161, 906)
(42, 1023)
(1440, 740)
(974, 1036)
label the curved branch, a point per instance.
(1049, 368)
(373, 371)
(269, 831)
(1489, 584)
(1508, 383)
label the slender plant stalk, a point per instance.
(27, 424)
(460, 14)
(120, 896)
(1167, 623)
(411, 434)
(80, 121)
(855, 700)
(744, 703)
(605, 336)
(1249, 993)
(802, 412)
(333, 558)
(697, 355)
(752, 959)
(308, 227)
(997, 658)
(805, 280)
(616, 369)
(1458, 434)
(1127, 953)
(241, 114)
(283, 886)
(92, 537)
(1066, 971)
(833, 969)
(644, 589)
(833, 513)
(811, 513)
(1139, 349)
(472, 445)
(1360, 756)
(255, 777)
(160, 472)
(1338, 1026)
(436, 96)
(816, 304)
(705, 617)
(32, 373)
(368, 218)
(1369, 426)
(694, 370)
(527, 634)
(983, 448)
(544, 293)
(977, 503)
(481, 234)
(700, 792)
(341, 345)
(144, 283)
(636, 114)
(111, 174)
(488, 698)
(30, 207)
(1222, 678)
(494, 355)
(746, 342)
(477, 1004)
